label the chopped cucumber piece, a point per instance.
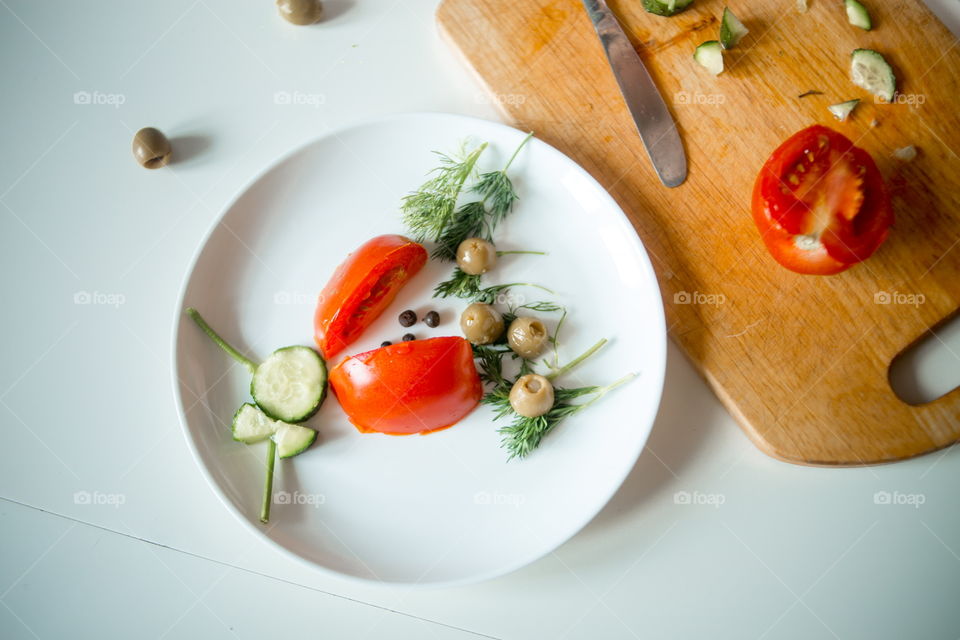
(291, 384)
(666, 8)
(842, 110)
(906, 154)
(293, 439)
(251, 424)
(857, 15)
(710, 56)
(870, 71)
(731, 29)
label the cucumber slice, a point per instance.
(857, 15)
(731, 29)
(710, 56)
(291, 384)
(292, 439)
(251, 424)
(666, 8)
(842, 110)
(870, 71)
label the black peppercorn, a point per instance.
(408, 318)
(432, 319)
(407, 337)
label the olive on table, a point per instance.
(151, 148)
(527, 336)
(476, 256)
(300, 12)
(432, 319)
(408, 318)
(531, 395)
(481, 323)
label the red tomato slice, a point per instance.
(362, 287)
(408, 387)
(820, 203)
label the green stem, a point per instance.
(510, 161)
(230, 351)
(573, 363)
(556, 341)
(268, 482)
(530, 284)
(469, 163)
(534, 253)
(607, 389)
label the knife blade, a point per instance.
(656, 126)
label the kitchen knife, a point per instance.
(657, 129)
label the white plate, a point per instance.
(445, 508)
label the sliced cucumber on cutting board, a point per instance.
(731, 29)
(869, 70)
(666, 8)
(841, 110)
(710, 56)
(857, 15)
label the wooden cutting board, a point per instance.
(801, 362)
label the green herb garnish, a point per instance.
(523, 435)
(432, 213)
(466, 286)
(468, 222)
(496, 188)
(429, 210)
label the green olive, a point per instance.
(476, 256)
(527, 336)
(481, 323)
(301, 12)
(531, 395)
(151, 148)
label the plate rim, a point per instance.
(178, 320)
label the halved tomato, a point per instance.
(408, 387)
(362, 287)
(820, 203)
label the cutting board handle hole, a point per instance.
(929, 368)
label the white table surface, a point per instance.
(86, 402)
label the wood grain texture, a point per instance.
(801, 362)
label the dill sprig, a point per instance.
(429, 210)
(467, 286)
(555, 341)
(468, 222)
(523, 435)
(559, 371)
(471, 220)
(459, 285)
(490, 295)
(496, 188)
(490, 364)
(541, 306)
